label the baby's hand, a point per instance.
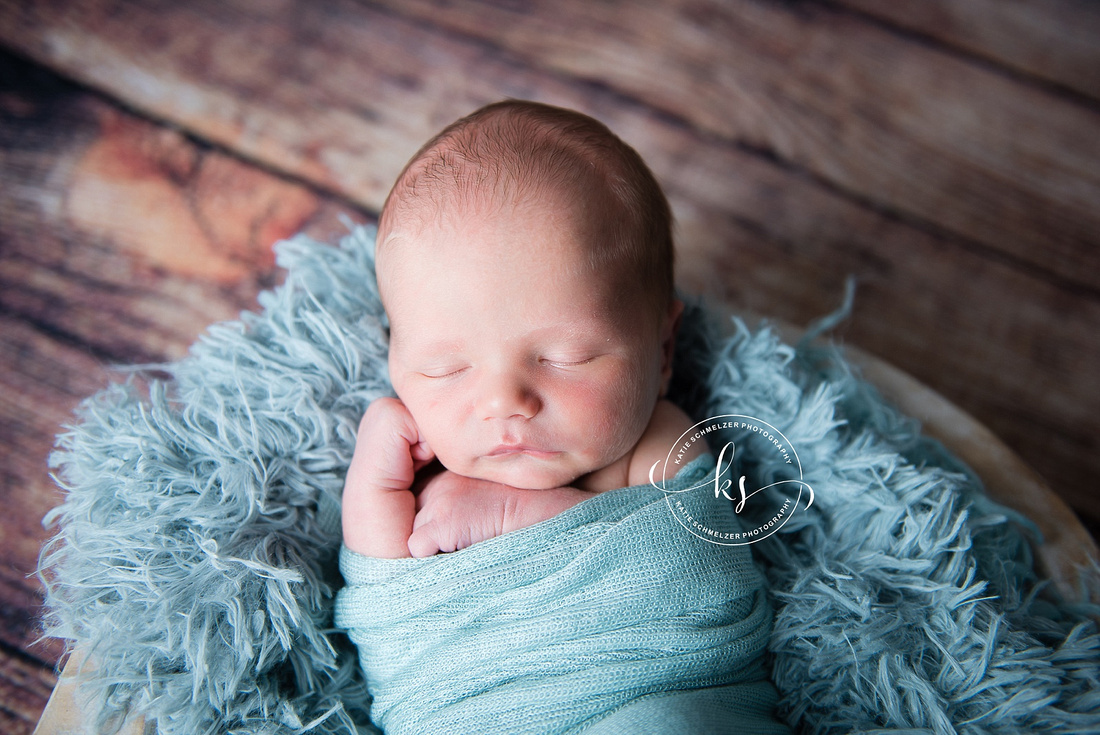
(392, 447)
(378, 507)
(454, 512)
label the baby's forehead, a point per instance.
(461, 206)
(448, 304)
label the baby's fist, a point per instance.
(394, 447)
(454, 512)
(378, 508)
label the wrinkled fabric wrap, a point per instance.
(195, 552)
(610, 608)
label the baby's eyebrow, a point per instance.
(450, 344)
(579, 330)
(435, 347)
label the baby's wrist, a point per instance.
(382, 481)
(379, 525)
(533, 506)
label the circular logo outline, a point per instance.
(691, 435)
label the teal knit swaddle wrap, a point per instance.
(610, 614)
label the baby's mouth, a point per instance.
(518, 450)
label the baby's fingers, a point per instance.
(423, 542)
(421, 454)
(393, 448)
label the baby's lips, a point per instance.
(505, 450)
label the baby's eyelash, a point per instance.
(567, 363)
(449, 374)
(544, 361)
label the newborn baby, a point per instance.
(524, 258)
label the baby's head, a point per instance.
(525, 262)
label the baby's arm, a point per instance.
(454, 511)
(378, 506)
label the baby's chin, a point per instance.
(523, 473)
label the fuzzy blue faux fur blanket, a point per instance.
(195, 554)
(608, 613)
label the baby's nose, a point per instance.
(508, 396)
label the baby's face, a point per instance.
(518, 365)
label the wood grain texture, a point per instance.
(918, 132)
(25, 686)
(296, 86)
(1051, 40)
(41, 383)
(1006, 166)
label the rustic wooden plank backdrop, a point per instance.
(945, 152)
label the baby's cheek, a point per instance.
(588, 403)
(437, 424)
(609, 411)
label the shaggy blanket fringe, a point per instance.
(195, 555)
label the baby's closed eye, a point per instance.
(443, 371)
(566, 360)
(451, 370)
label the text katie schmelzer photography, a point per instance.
(703, 508)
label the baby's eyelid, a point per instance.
(567, 363)
(436, 374)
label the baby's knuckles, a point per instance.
(388, 432)
(457, 511)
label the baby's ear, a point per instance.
(669, 329)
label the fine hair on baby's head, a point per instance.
(512, 152)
